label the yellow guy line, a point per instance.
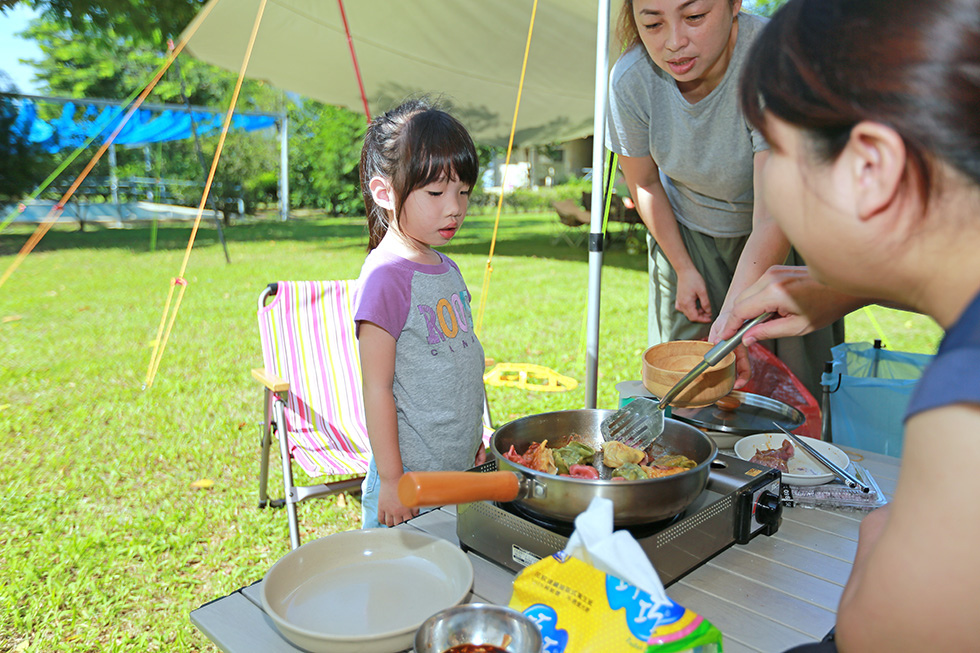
(160, 344)
(500, 200)
(874, 323)
(58, 208)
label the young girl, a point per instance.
(871, 108)
(421, 362)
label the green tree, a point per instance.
(153, 21)
(20, 161)
(325, 149)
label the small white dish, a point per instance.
(803, 468)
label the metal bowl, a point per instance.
(478, 623)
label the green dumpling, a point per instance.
(631, 472)
(573, 453)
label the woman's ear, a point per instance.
(382, 193)
(877, 158)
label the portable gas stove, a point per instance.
(741, 501)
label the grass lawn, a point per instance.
(105, 541)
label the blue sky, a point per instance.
(13, 48)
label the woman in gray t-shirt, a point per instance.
(690, 160)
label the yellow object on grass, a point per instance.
(528, 376)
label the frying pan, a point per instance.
(562, 498)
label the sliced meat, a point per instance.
(775, 458)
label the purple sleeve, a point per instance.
(383, 297)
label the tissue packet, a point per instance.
(580, 609)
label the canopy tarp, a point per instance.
(470, 53)
(78, 122)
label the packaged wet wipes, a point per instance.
(601, 593)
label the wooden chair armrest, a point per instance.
(270, 381)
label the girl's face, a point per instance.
(691, 40)
(431, 215)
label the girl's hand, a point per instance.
(390, 510)
(481, 456)
(692, 297)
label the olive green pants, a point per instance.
(716, 259)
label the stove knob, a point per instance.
(769, 512)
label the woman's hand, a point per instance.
(799, 304)
(692, 296)
(391, 512)
(481, 455)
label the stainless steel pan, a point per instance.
(562, 498)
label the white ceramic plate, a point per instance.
(803, 469)
(366, 591)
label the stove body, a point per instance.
(741, 501)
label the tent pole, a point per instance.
(114, 180)
(284, 167)
(595, 237)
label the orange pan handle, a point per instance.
(416, 489)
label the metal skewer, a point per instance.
(849, 479)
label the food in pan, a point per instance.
(538, 456)
(629, 472)
(573, 454)
(775, 458)
(617, 454)
(575, 458)
(475, 648)
(583, 471)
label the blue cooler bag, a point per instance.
(870, 388)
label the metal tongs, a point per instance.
(846, 477)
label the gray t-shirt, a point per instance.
(438, 384)
(704, 150)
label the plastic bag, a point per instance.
(581, 602)
(771, 378)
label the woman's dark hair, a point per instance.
(412, 146)
(913, 65)
(626, 30)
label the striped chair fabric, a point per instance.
(308, 339)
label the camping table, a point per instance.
(768, 595)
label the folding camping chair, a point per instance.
(312, 379)
(313, 397)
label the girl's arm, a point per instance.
(765, 247)
(643, 178)
(916, 576)
(377, 352)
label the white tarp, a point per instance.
(467, 51)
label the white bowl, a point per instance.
(364, 591)
(803, 468)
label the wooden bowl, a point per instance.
(667, 363)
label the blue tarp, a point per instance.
(77, 123)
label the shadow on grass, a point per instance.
(518, 235)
